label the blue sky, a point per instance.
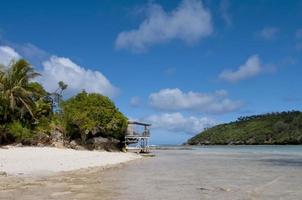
(181, 65)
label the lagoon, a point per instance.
(210, 172)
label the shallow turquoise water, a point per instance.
(211, 172)
(272, 149)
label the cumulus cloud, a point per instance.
(176, 122)
(175, 100)
(78, 78)
(269, 33)
(7, 54)
(57, 69)
(250, 68)
(189, 22)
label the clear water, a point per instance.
(271, 149)
(178, 172)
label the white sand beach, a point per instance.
(48, 160)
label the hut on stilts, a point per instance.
(137, 137)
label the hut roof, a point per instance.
(139, 123)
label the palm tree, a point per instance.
(62, 86)
(15, 91)
(57, 96)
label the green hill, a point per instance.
(271, 128)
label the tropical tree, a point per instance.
(16, 93)
(42, 100)
(93, 114)
(57, 96)
(62, 86)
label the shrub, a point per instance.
(20, 133)
(5, 137)
(43, 125)
(93, 115)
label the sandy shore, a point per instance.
(48, 160)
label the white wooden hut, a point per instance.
(137, 139)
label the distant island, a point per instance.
(271, 128)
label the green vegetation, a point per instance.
(17, 95)
(20, 133)
(30, 115)
(88, 115)
(272, 128)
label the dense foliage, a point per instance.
(88, 115)
(17, 95)
(22, 102)
(28, 112)
(272, 128)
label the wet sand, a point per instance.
(172, 174)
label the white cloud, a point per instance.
(7, 54)
(78, 78)
(57, 69)
(176, 122)
(269, 33)
(175, 100)
(189, 22)
(250, 68)
(135, 101)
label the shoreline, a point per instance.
(45, 161)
